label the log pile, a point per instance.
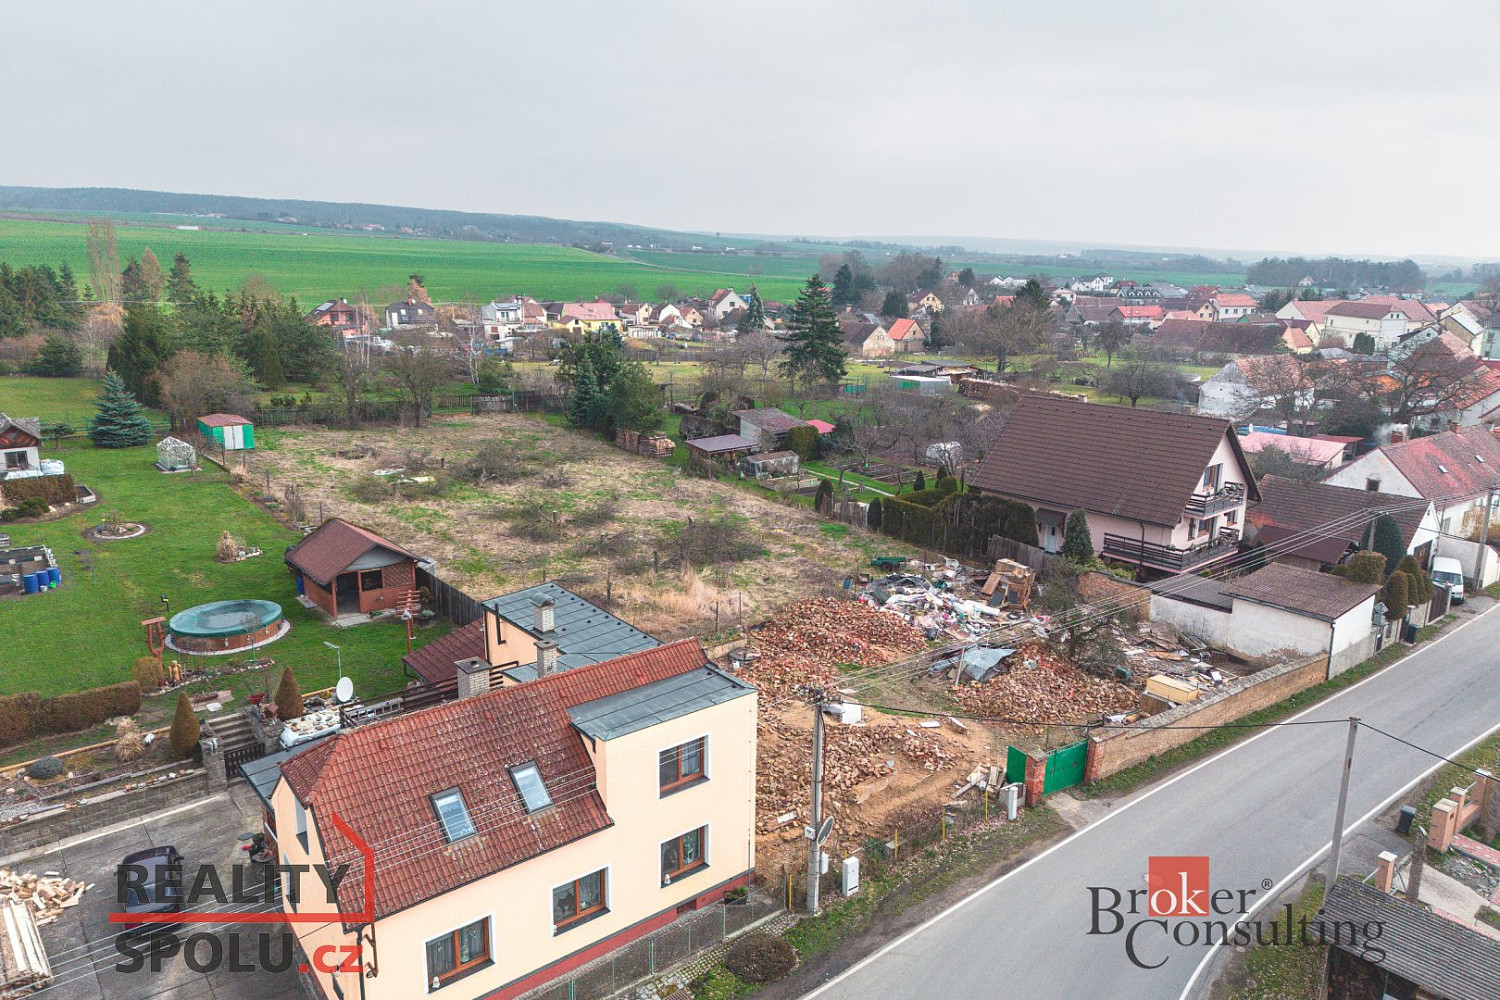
(852, 755)
(808, 640)
(48, 894)
(1043, 685)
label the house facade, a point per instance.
(1247, 386)
(20, 446)
(867, 340)
(1384, 324)
(724, 301)
(1166, 492)
(336, 314)
(766, 426)
(520, 832)
(588, 317)
(908, 336)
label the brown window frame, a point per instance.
(668, 876)
(459, 970)
(580, 914)
(379, 574)
(682, 780)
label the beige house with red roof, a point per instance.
(1385, 324)
(1227, 306)
(588, 317)
(519, 832)
(908, 336)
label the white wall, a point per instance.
(1255, 631)
(1373, 465)
(1469, 555)
(1208, 624)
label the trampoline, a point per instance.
(225, 626)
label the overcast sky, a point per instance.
(1316, 126)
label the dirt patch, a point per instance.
(573, 509)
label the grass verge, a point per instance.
(1284, 972)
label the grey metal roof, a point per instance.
(720, 443)
(1437, 954)
(584, 632)
(264, 772)
(642, 707)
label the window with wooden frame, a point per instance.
(457, 954)
(371, 579)
(579, 901)
(1213, 477)
(683, 765)
(684, 855)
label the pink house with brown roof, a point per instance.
(519, 832)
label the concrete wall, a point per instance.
(1473, 557)
(1209, 624)
(102, 807)
(1117, 749)
(1257, 632)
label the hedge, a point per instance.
(55, 490)
(25, 715)
(956, 522)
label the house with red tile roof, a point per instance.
(1385, 324)
(1164, 491)
(500, 840)
(1227, 306)
(908, 336)
(588, 317)
(724, 301)
(1136, 315)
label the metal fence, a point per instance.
(659, 951)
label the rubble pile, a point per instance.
(937, 606)
(48, 894)
(1041, 684)
(852, 755)
(808, 640)
(1157, 649)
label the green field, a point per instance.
(87, 632)
(321, 264)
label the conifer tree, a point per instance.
(288, 697)
(185, 727)
(753, 319)
(1388, 541)
(814, 346)
(1078, 544)
(585, 390)
(121, 423)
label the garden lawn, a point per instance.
(51, 399)
(87, 632)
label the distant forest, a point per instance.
(1336, 272)
(339, 215)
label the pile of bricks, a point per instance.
(1043, 685)
(807, 641)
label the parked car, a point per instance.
(1448, 573)
(162, 889)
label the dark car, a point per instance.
(161, 889)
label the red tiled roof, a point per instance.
(1414, 310)
(325, 553)
(1315, 310)
(1140, 312)
(590, 312)
(822, 426)
(902, 328)
(222, 420)
(1236, 299)
(1142, 465)
(380, 779)
(1447, 464)
(1307, 451)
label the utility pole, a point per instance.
(1484, 541)
(1338, 815)
(815, 840)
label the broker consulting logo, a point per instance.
(1180, 906)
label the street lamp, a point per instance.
(339, 653)
(168, 603)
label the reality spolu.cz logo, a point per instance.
(1179, 905)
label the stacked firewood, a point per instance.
(49, 894)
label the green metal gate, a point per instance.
(1064, 766)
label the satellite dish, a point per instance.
(344, 691)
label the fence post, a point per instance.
(651, 957)
(896, 846)
(943, 824)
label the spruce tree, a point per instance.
(844, 292)
(180, 284)
(121, 422)
(185, 727)
(875, 514)
(894, 306)
(58, 358)
(585, 391)
(1078, 544)
(753, 319)
(288, 697)
(814, 349)
(144, 345)
(1388, 541)
(920, 483)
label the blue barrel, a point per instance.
(28, 583)
(54, 576)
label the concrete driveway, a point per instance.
(81, 944)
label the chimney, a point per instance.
(473, 677)
(1453, 425)
(542, 615)
(1397, 437)
(546, 658)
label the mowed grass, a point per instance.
(51, 399)
(321, 264)
(87, 632)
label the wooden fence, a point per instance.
(1028, 555)
(448, 601)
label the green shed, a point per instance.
(230, 431)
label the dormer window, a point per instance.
(529, 784)
(453, 815)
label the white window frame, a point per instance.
(707, 761)
(463, 804)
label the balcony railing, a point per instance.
(1230, 496)
(1168, 557)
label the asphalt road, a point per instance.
(1260, 811)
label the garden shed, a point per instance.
(344, 569)
(228, 430)
(771, 463)
(175, 455)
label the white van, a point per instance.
(1447, 572)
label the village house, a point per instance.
(1456, 470)
(412, 314)
(1224, 306)
(511, 628)
(1323, 454)
(336, 314)
(1317, 525)
(924, 302)
(766, 426)
(1384, 324)
(587, 317)
(501, 318)
(1312, 312)
(20, 446)
(908, 336)
(349, 572)
(1135, 315)
(690, 315)
(519, 832)
(1164, 491)
(867, 340)
(634, 313)
(1277, 613)
(724, 301)
(1250, 385)
(1093, 284)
